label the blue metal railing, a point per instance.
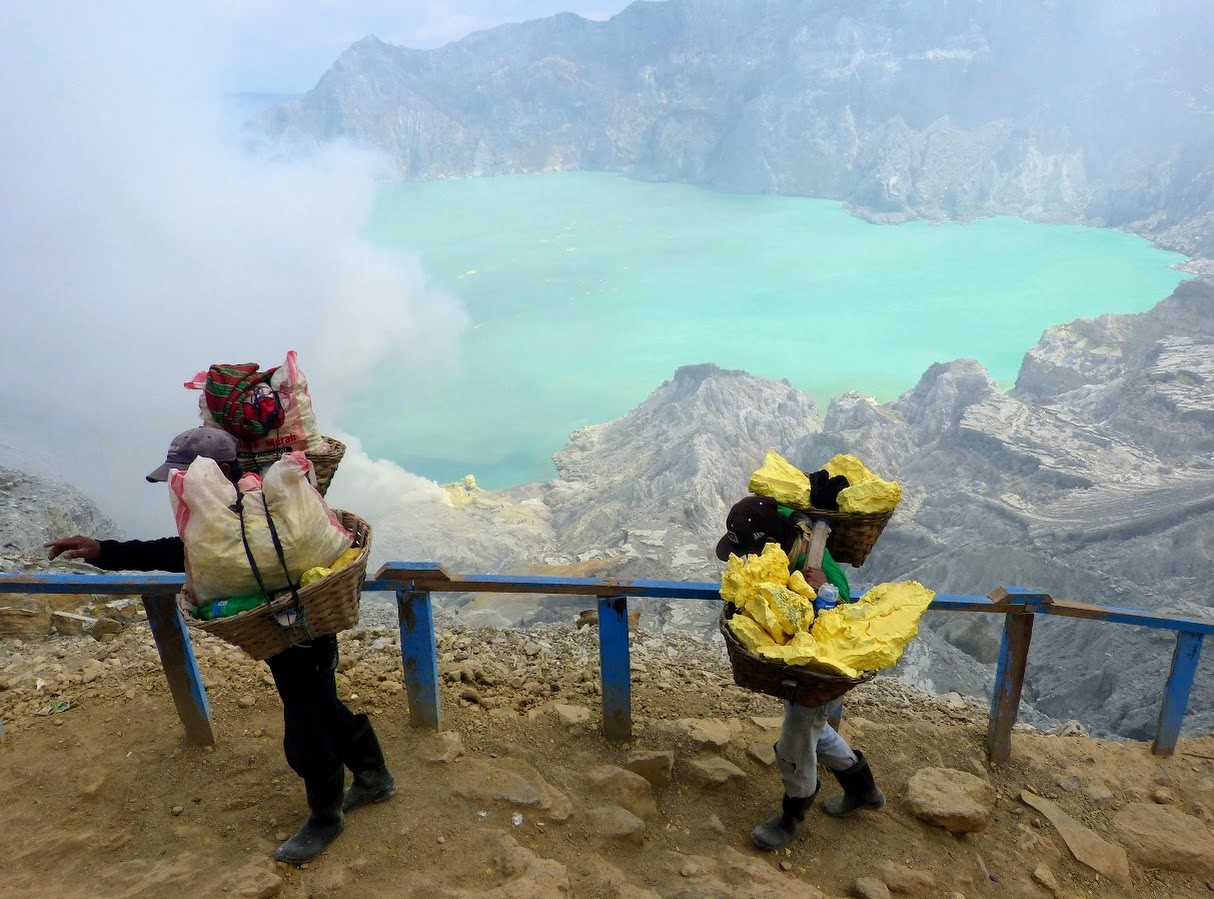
(414, 583)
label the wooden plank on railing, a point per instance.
(1117, 615)
(419, 653)
(1185, 659)
(411, 573)
(615, 667)
(180, 668)
(1009, 681)
(101, 584)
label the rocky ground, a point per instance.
(520, 796)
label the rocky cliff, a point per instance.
(1092, 479)
(1068, 110)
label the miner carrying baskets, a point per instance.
(781, 576)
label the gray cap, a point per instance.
(213, 443)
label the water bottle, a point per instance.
(828, 598)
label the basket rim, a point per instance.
(733, 644)
(284, 602)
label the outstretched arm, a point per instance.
(165, 554)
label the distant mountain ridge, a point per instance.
(1062, 110)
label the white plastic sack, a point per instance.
(216, 564)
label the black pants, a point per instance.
(317, 725)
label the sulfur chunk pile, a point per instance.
(775, 618)
(789, 486)
(867, 492)
(782, 481)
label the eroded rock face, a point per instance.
(957, 801)
(956, 117)
(1092, 480)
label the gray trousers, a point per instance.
(805, 740)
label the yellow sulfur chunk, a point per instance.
(749, 634)
(871, 634)
(742, 577)
(867, 492)
(789, 610)
(735, 584)
(871, 496)
(346, 558)
(849, 467)
(312, 575)
(766, 616)
(782, 481)
(797, 584)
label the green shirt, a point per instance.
(830, 568)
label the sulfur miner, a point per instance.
(756, 524)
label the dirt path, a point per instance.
(106, 799)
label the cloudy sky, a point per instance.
(284, 46)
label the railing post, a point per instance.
(180, 668)
(1176, 693)
(420, 657)
(614, 665)
(1009, 680)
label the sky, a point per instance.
(141, 241)
(284, 46)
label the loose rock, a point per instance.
(957, 801)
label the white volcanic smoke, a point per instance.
(140, 242)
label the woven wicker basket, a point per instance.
(798, 684)
(324, 463)
(853, 534)
(326, 607)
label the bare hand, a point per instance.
(815, 578)
(76, 547)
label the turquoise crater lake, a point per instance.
(588, 290)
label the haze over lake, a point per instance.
(588, 290)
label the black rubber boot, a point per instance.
(324, 824)
(788, 825)
(372, 780)
(859, 790)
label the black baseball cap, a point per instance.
(752, 522)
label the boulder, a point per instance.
(715, 771)
(442, 748)
(18, 621)
(705, 732)
(571, 715)
(763, 753)
(614, 823)
(482, 781)
(870, 888)
(656, 766)
(624, 788)
(1164, 836)
(905, 879)
(69, 624)
(957, 801)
